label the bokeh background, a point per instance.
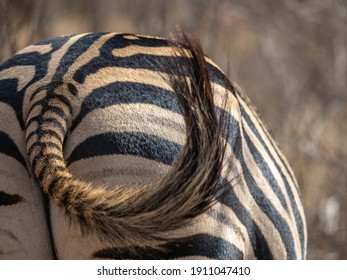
(289, 56)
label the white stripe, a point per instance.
(24, 74)
(128, 118)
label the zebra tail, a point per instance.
(129, 216)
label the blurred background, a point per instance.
(290, 57)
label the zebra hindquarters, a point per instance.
(124, 143)
(132, 141)
(24, 231)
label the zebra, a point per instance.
(126, 146)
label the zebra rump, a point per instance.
(124, 215)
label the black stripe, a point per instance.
(33, 119)
(201, 245)
(75, 50)
(298, 218)
(9, 148)
(267, 207)
(9, 95)
(9, 199)
(44, 158)
(56, 123)
(33, 58)
(259, 243)
(8, 90)
(72, 88)
(65, 199)
(127, 143)
(43, 145)
(37, 91)
(43, 171)
(155, 63)
(31, 134)
(106, 58)
(49, 121)
(52, 186)
(40, 103)
(54, 183)
(122, 40)
(40, 61)
(30, 58)
(267, 149)
(266, 171)
(42, 132)
(61, 98)
(51, 133)
(137, 61)
(45, 106)
(59, 111)
(125, 93)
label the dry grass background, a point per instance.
(289, 56)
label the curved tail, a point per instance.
(134, 216)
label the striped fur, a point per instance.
(143, 149)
